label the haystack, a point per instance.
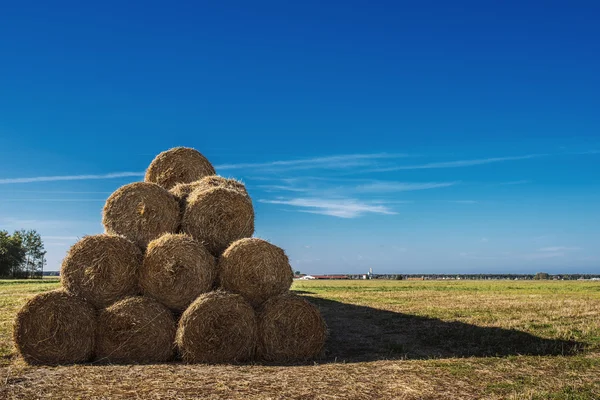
(256, 269)
(218, 327)
(290, 329)
(217, 217)
(176, 270)
(135, 330)
(102, 269)
(183, 190)
(55, 328)
(141, 212)
(178, 165)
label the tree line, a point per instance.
(22, 254)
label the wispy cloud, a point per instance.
(328, 162)
(70, 177)
(342, 208)
(558, 248)
(382, 186)
(353, 186)
(542, 255)
(457, 163)
(463, 201)
(51, 200)
(521, 182)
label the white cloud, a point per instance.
(60, 237)
(457, 164)
(558, 248)
(382, 186)
(71, 177)
(52, 200)
(342, 208)
(542, 255)
(328, 162)
(521, 182)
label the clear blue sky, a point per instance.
(403, 136)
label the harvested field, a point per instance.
(389, 339)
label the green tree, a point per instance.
(33, 264)
(541, 276)
(297, 273)
(12, 254)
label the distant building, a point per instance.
(329, 276)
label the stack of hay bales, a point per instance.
(177, 274)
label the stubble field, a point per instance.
(388, 339)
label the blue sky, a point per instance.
(407, 137)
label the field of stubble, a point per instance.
(388, 339)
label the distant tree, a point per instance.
(399, 277)
(33, 245)
(541, 276)
(297, 273)
(12, 254)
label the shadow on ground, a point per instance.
(359, 333)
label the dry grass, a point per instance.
(400, 340)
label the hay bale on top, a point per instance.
(55, 328)
(178, 165)
(290, 329)
(141, 212)
(217, 217)
(218, 327)
(102, 269)
(176, 270)
(256, 269)
(183, 190)
(136, 329)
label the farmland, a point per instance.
(388, 339)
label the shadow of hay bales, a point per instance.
(359, 333)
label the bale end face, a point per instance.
(55, 328)
(176, 270)
(218, 327)
(102, 269)
(256, 269)
(217, 217)
(135, 330)
(182, 190)
(141, 212)
(290, 329)
(178, 165)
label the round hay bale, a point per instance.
(55, 328)
(178, 165)
(183, 190)
(102, 269)
(256, 269)
(218, 327)
(138, 330)
(176, 270)
(290, 329)
(141, 212)
(218, 216)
